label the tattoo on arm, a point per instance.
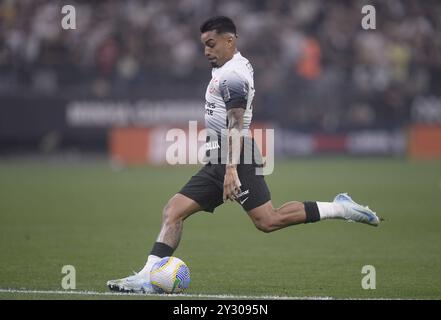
(235, 141)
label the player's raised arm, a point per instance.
(235, 141)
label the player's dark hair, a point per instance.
(220, 24)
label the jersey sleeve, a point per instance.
(234, 90)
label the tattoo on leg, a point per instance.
(171, 233)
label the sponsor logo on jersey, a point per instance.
(212, 145)
(243, 193)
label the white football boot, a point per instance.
(355, 212)
(138, 283)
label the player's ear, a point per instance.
(230, 41)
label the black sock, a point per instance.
(162, 250)
(312, 211)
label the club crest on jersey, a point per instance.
(213, 83)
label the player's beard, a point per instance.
(214, 62)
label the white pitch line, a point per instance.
(182, 295)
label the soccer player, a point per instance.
(228, 112)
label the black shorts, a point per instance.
(207, 187)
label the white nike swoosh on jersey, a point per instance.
(243, 201)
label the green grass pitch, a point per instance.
(103, 222)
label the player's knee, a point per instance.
(265, 225)
(169, 212)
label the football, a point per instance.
(170, 275)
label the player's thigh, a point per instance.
(254, 190)
(205, 188)
(180, 207)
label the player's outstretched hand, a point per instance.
(231, 183)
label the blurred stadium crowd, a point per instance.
(314, 64)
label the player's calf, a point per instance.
(267, 219)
